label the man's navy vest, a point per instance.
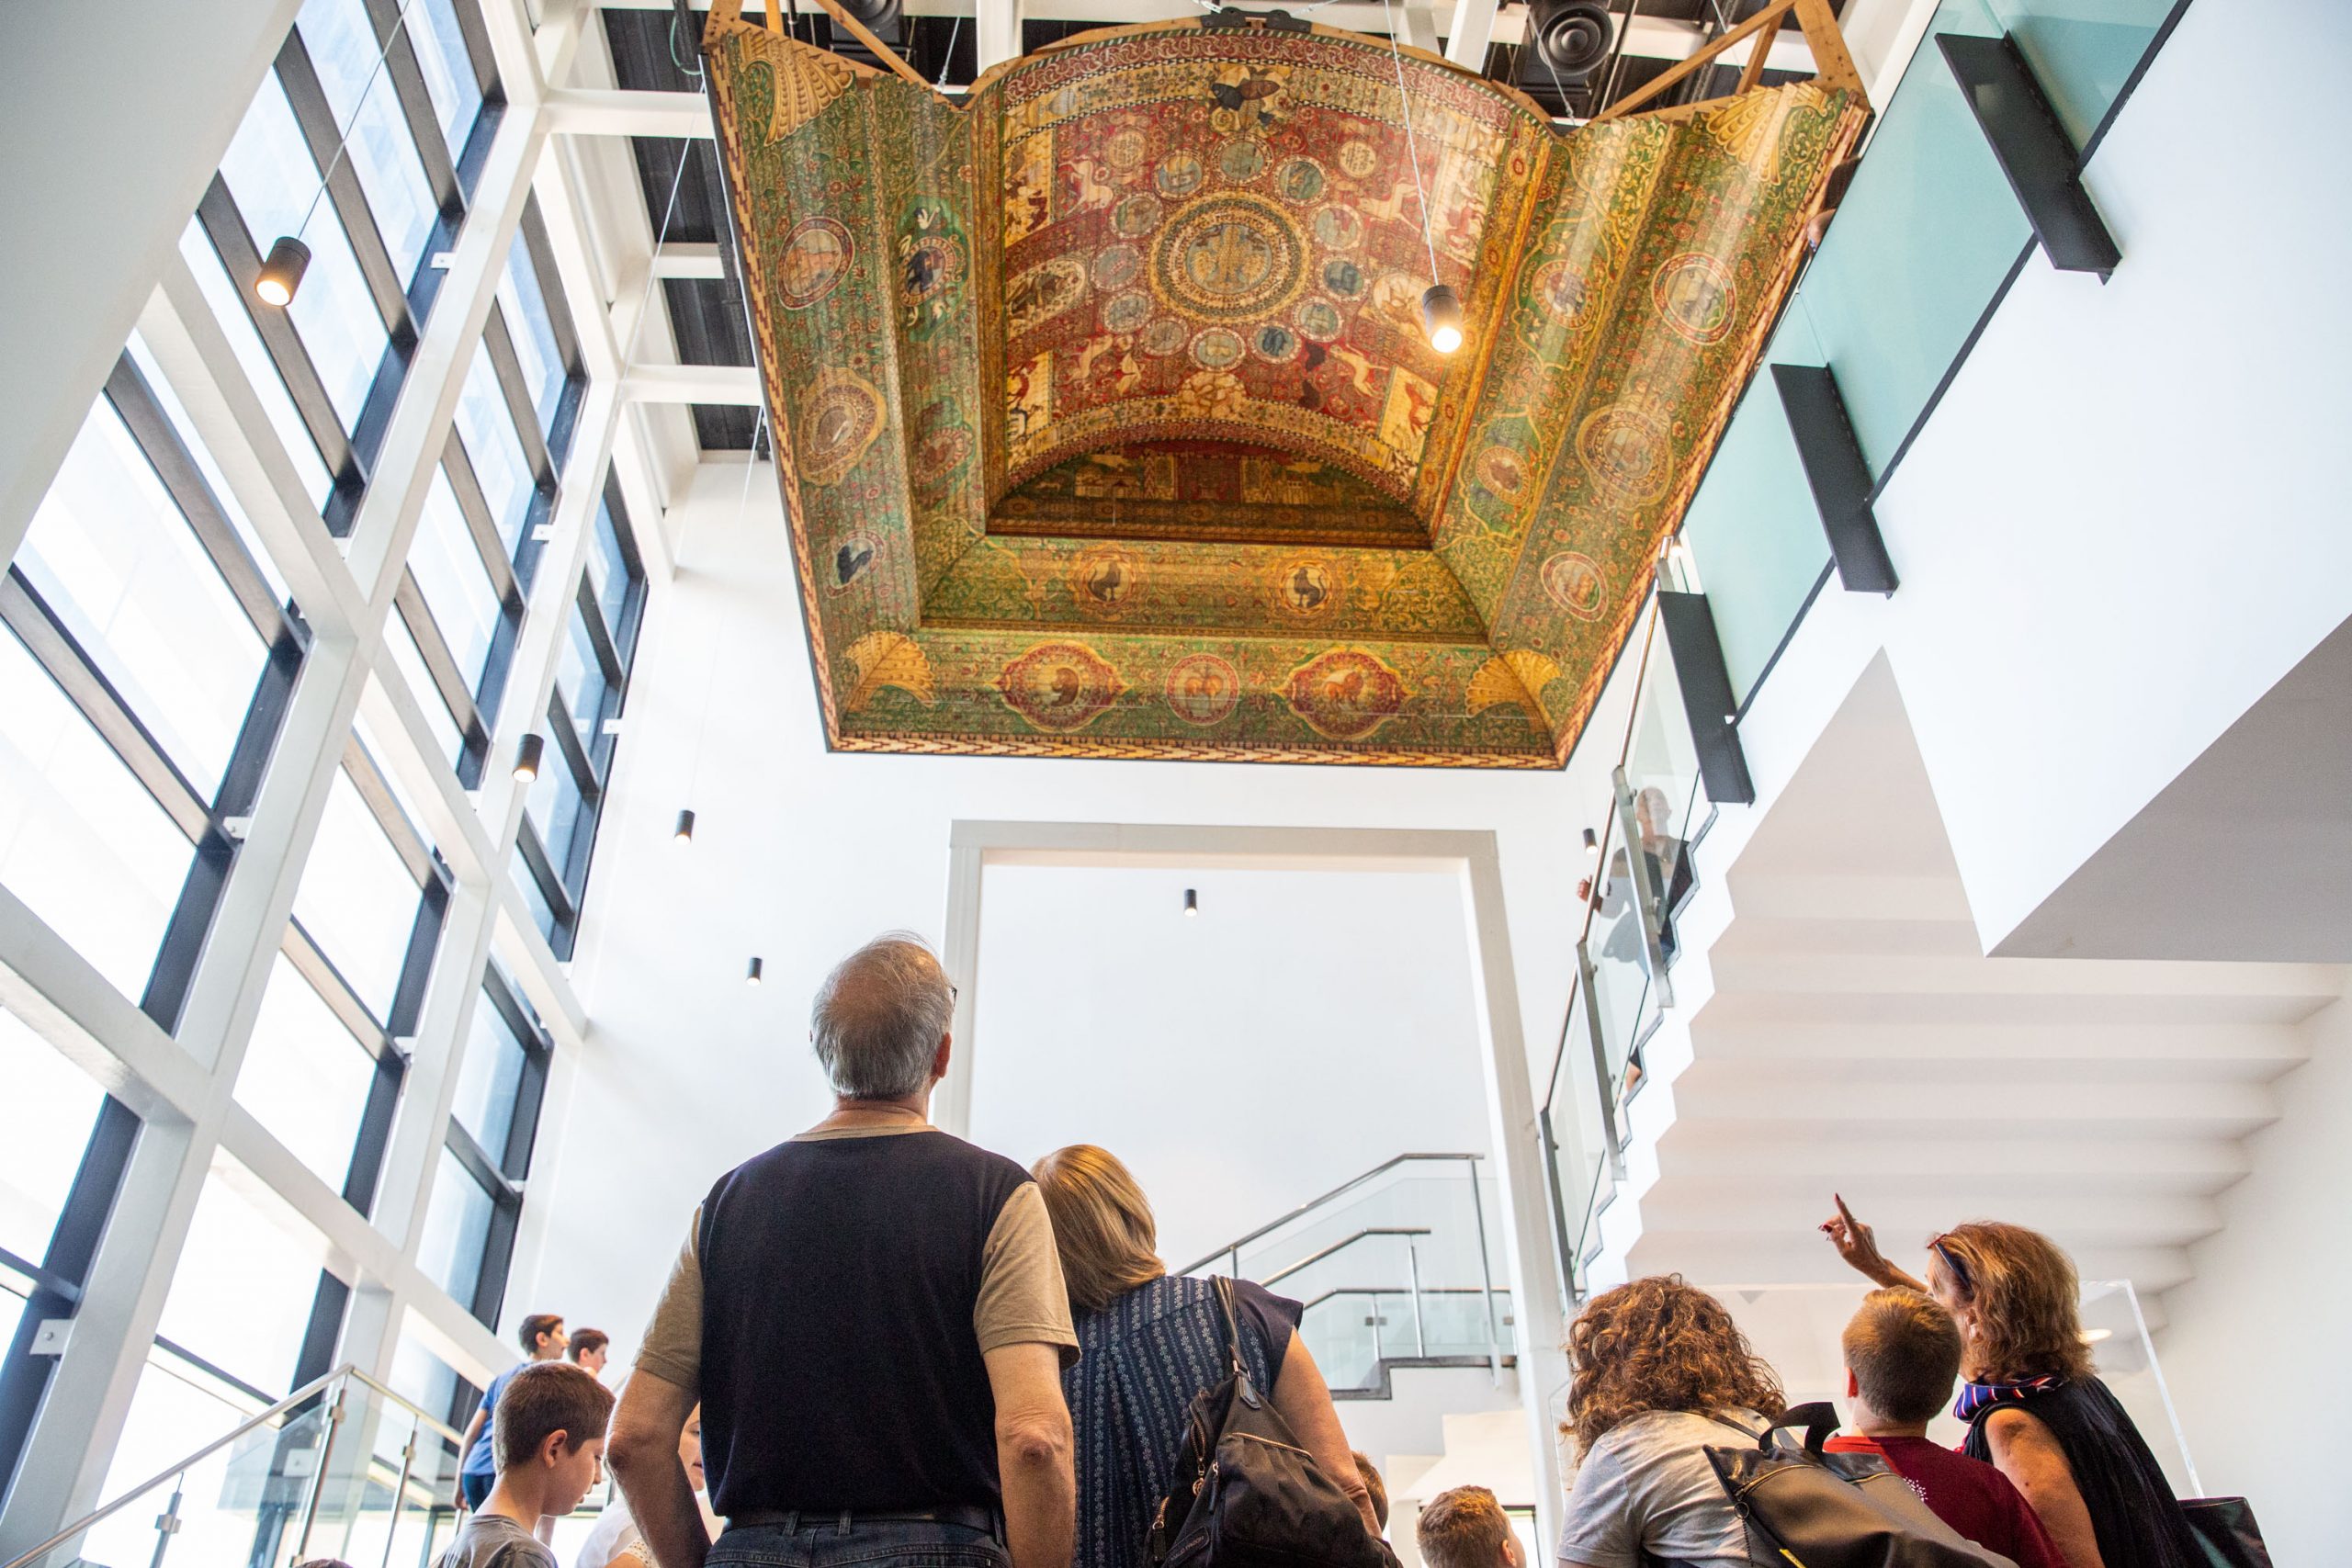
(839, 1367)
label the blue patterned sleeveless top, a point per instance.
(1143, 1360)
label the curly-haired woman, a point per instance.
(1660, 1371)
(2033, 1406)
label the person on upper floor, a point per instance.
(1659, 1371)
(1902, 1358)
(2035, 1407)
(591, 1349)
(873, 1319)
(543, 1340)
(1149, 1345)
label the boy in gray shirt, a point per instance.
(550, 1436)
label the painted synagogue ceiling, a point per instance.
(1105, 417)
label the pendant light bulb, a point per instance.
(1442, 316)
(1591, 842)
(686, 830)
(1191, 902)
(526, 758)
(281, 272)
(752, 976)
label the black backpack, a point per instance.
(1245, 1495)
(1823, 1510)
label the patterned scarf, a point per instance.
(1976, 1396)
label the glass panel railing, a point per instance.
(2084, 51)
(344, 1470)
(1578, 1143)
(1795, 1328)
(1398, 1264)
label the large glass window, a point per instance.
(345, 51)
(45, 1121)
(501, 468)
(591, 682)
(306, 1075)
(358, 897)
(457, 1231)
(242, 1296)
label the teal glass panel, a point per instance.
(1752, 527)
(2083, 50)
(1924, 237)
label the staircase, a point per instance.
(1837, 1028)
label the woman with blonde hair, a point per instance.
(1659, 1371)
(2034, 1405)
(1148, 1345)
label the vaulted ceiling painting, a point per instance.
(1106, 420)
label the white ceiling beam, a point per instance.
(686, 258)
(996, 33)
(618, 111)
(1470, 31)
(735, 385)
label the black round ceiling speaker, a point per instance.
(1570, 37)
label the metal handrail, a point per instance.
(343, 1376)
(1309, 1262)
(1234, 1246)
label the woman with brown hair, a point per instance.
(1659, 1371)
(1148, 1345)
(2035, 1408)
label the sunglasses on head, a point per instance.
(1952, 1262)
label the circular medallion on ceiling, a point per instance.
(1106, 581)
(1345, 695)
(1339, 228)
(1357, 159)
(1299, 180)
(1229, 257)
(1307, 586)
(1558, 286)
(1165, 336)
(850, 561)
(1125, 313)
(1241, 161)
(839, 416)
(1503, 471)
(1180, 173)
(1320, 322)
(1274, 341)
(1695, 296)
(1116, 267)
(1343, 278)
(1202, 688)
(1060, 686)
(1216, 349)
(928, 264)
(1575, 585)
(941, 443)
(1136, 215)
(815, 255)
(1126, 146)
(1624, 448)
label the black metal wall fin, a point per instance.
(1705, 682)
(2043, 164)
(1839, 478)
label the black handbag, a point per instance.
(1805, 1505)
(2226, 1528)
(1245, 1495)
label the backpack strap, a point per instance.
(1819, 1419)
(1232, 1324)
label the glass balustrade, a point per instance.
(1396, 1265)
(345, 1470)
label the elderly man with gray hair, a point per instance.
(872, 1318)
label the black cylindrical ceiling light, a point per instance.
(1191, 902)
(752, 976)
(1441, 317)
(1591, 842)
(281, 271)
(686, 830)
(526, 758)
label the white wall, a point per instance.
(800, 856)
(1241, 1062)
(116, 121)
(2126, 519)
(2254, 1345)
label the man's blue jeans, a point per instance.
(817, 1541)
